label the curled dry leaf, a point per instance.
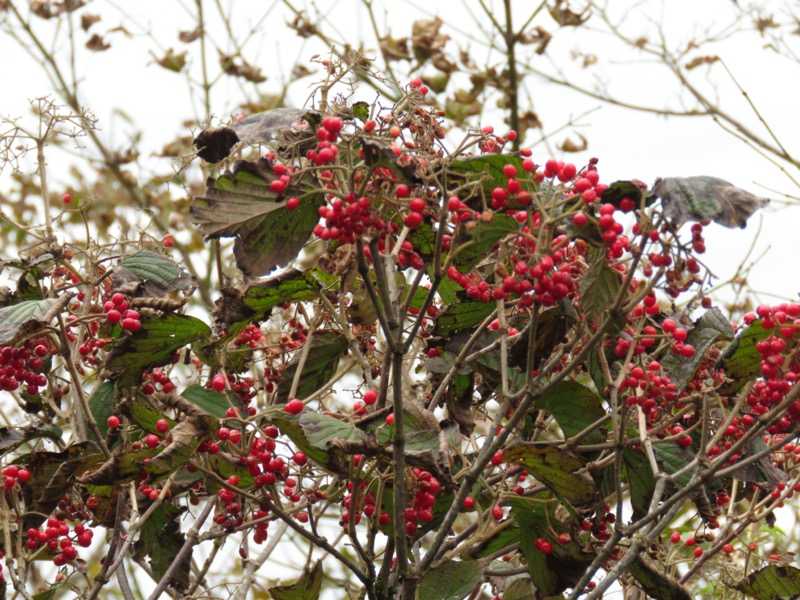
(96, 43)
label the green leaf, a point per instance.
(156, 270)
(360, 110)
(320, 365)
(710, 328)
(307, 587)
(771, 583)
(619, 190)
(160, 541)
(703, 198)
(101, 405)
(242, 205)
(520, 589)
(423, 238)
(461, 316)
(452, 580)
(290, 427)
(741, 361)
(154, 344)
(11, 437)
(655, 582)
(640, 480)
(556, 468)
(237, 308)
(574, 407)
(211, 401)
(552, 573)
(16, 316)
(672, 458)
(475, 239)
(320, 430)
(502, 539)
(599, 286)
(52, 476)
(48, 595)
(487, 171)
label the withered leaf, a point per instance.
(241, 69)
(241, 204)
(187, 37)
(702, 198)
(263, 127)
(565, 17)
(87, 20)
(96, 43)
(426, 39)
(214, 145)
(172, 61)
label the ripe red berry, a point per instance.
(412, 220)
(66, 198)
(152, 440)
(564, 539)
(370, 397)
(497, 513)
(113, 421)
(300, 458)
(219, 383)
(294, 407)
(469, 503)
(402, 191)
(162, 426)
(546, 547)
(293, 203)
(675, 537)
(417, 205)
(113, 316)
(23, 475)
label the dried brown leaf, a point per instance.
(187, 37)
(87, 20)
(96, 43)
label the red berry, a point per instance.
(219, 383)
(113, 421)
(300, 458)
(546, 547)
(675, 537)
(152, 440)
(278, 186)
(113, 316)
(66, 198)
(417, 205)
(23, 475)
(294, 407)
(469, 503)
(497, 459)
(293, 203)
(497, 513)
(564, 539)
(370, 397)
(402, 191)
(579, 220)
(413, 220)
(162, 426)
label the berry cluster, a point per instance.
(13, 475)
(55, 535)
(421, 511)
(117, 311)
(23, 365)
(347, 219)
